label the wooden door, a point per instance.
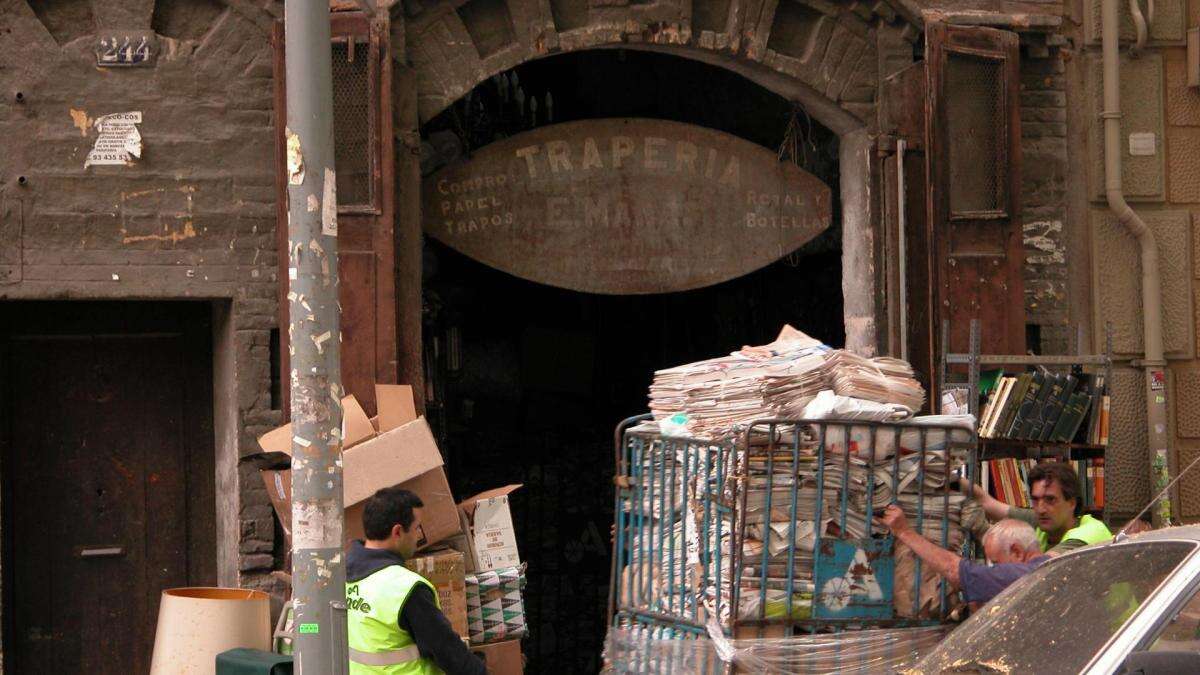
(973, 166)
(108, 478)
(362, 111)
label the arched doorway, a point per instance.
(829, 58)
(527, 380)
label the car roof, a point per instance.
(1184, 532)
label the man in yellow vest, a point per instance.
(1054, 493)
(395, 624)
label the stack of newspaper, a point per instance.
(719, 394)
(713, 398)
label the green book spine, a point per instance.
(1056, 406)
(1031, 394)
(1071, 418)
(1033, 422)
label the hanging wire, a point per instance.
(795, 146)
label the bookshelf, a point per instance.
(967, 368)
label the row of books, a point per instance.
(1042, 406)
(1008, 480)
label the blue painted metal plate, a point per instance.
(854, 579)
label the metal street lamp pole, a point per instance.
(314, 338)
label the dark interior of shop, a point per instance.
(529, 381)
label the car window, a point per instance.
(1182, 632)
(1058, 617)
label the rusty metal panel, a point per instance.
(625, 206)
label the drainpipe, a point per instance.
(1154, 364)
(314, 337)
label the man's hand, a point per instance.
(893, 519)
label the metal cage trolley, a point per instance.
(771, 533)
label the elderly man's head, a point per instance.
(1010, 541)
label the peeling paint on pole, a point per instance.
(295, 159)
(318, 574)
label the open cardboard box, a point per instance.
(395, 448)
(491, 540)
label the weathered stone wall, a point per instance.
(194, 217)
(1183, 191)
(1163, 114)
(1043, 189)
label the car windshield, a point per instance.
(1058, 617)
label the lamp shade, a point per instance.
(196, 624)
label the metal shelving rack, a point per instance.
(997, 448)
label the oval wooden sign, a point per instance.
(625, 206)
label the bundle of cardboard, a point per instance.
(718, 397)
(468, 550)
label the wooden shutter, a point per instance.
(973, 129)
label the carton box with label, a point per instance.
(445, 569)
(395, 448)
(491, 539)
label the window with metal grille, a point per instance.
(355, 135)
(977, 134)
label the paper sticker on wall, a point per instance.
(118, 141)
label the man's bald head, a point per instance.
(1011, 540)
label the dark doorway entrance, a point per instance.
(108, 474)
(539, 379)
(528, 381)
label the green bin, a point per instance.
(242, 661)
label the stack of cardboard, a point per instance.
(394, 448)
(468, 551)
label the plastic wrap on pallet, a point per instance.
(641, 650)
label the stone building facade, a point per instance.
(196, 216)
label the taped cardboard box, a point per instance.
(495, 609)
(502, 658)
(405, 455)
(491, 538)
(444, 569)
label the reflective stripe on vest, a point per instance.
(391, 658)
(1089, 531)
(378, 645)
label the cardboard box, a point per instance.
(487, 522)
(356, 426)
(502, 658)
(445, 570)
(495, 610)
(461, 543)
(404, 455)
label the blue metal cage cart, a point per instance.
(771, 533)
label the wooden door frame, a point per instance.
(1003, 47)
(190, 320)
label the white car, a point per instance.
(1126, 607)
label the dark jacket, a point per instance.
(420, 616)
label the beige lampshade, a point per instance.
(196, 624)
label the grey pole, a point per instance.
(318, 567)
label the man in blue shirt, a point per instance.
(1011, 545)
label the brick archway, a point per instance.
(829, 57)
(822, 54)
